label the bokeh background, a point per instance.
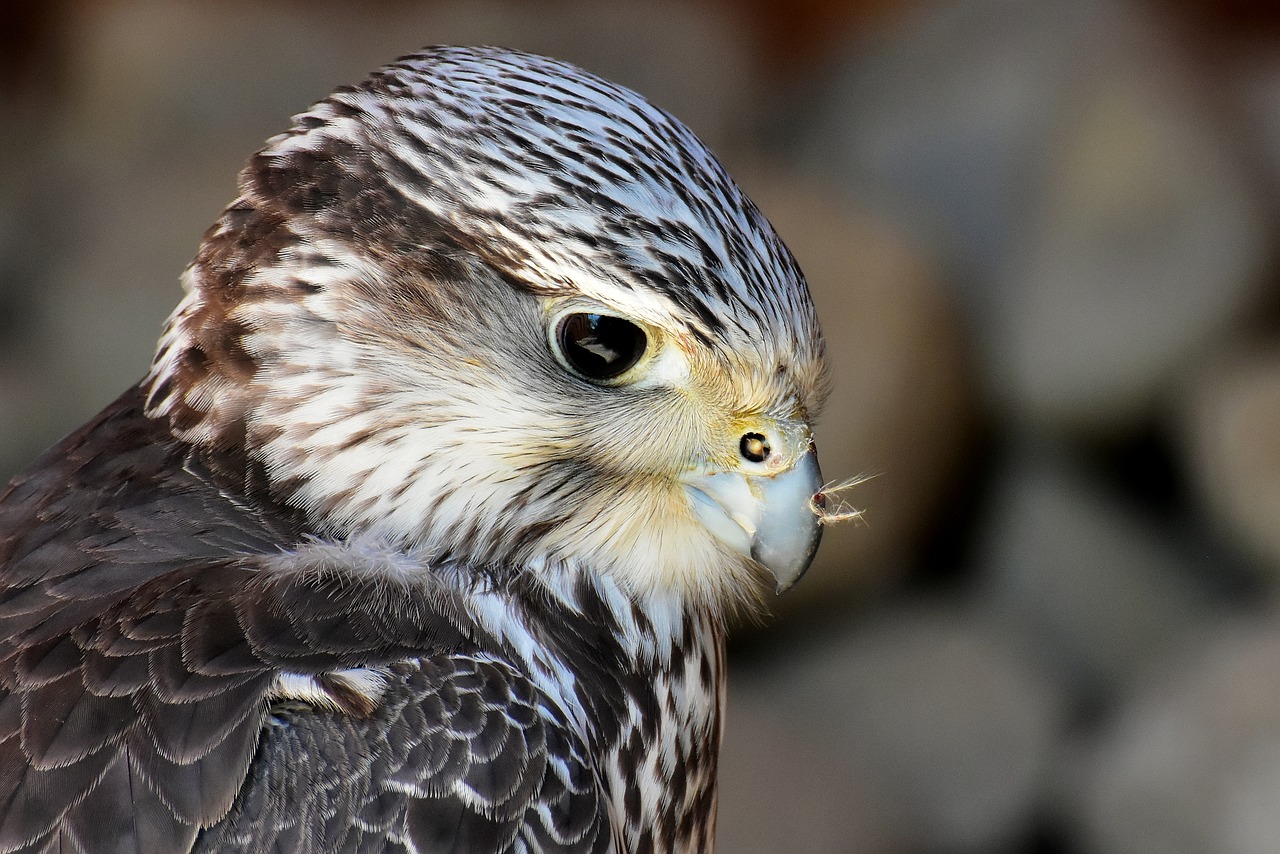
(1041, 235)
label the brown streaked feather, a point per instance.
(137, 711)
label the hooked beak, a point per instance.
(769, 518)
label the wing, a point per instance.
(462, 755)
(150, 627)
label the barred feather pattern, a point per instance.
(142, 707)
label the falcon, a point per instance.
(488, 403)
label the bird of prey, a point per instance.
(488, 401)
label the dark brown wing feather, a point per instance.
(141, 636)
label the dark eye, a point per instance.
(600, 346)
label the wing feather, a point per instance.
(147, 612)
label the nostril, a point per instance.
(754, 447)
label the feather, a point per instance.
(363, 565)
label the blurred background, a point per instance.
(1041, 236)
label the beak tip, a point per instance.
(787, 541)
(787, 575)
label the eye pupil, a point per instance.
(755, 447)
(600, 346)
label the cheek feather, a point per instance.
(645, 538)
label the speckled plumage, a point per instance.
(359, 566)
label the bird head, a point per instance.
(491, 308)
